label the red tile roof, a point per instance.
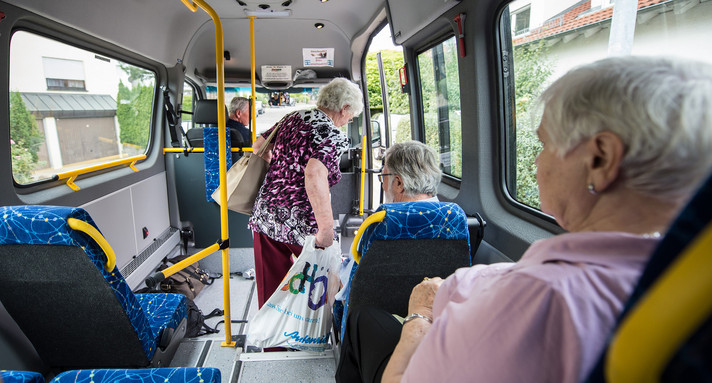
(571, 20)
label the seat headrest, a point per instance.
(418, 220)
(206, 112)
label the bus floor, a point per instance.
(235, 363)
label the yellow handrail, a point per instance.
(73, 174)
(92, 232)
(224, 232)
(375, 217)
(199, 150)
(363, 175)
(252, 76)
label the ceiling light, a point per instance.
(263, 6)
(319, 25)
(287, 3)
(242, 3)
(269, 13)
(324, 1)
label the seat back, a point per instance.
(205, 113)
(665, 330)
(60, 284)
(413, 241)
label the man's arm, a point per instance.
(421, 302)
(317, 184)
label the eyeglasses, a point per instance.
(380, 176)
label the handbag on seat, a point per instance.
(245, 178)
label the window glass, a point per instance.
(563, 34)
(440, 89)
(71, 108)
(186, 120)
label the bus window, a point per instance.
(398, 102)
(187, 106)
(440, 90)
(543, 40)
(71, 108)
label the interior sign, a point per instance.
(276, 73)
(318, 56)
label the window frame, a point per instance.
(417, 95)
(505, 103)
(65, 35)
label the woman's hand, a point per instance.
(423, 296)
(324, 238)
(317, 184)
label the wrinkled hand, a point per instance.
(324, 238)
(423, 296)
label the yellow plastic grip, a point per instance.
(98, 238)
(665, 317)
(373, 218)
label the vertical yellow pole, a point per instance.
(363, 175)
(224, 232)
(252, 76)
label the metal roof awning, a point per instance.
(69, 105)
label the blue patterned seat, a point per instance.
(20, 377)
(151, 375)
(413, 240)
(59, 282)
(147, 375)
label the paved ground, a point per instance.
(273, 114)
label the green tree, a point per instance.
(134, 106)
(23, 127)
(392, 62)
(532, 70)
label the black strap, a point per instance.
(173, 120)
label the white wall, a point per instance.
(27, 73)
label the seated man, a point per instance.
(411, 172)
(625, 141)
(239, 119)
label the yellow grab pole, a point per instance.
(224, 232)
(363, 175)
(252, 76)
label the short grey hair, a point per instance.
(661, 109)
(339, 93)
(418, 166)
(238, 103)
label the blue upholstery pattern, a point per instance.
(47, 225)
(151, 375)
(417, 220)
(212, 159)
(163, 310)
(20, 377)
(408, 220)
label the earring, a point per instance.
(592, 189)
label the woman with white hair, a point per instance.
(294, 200)
(625, 142)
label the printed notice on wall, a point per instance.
(318, 56)
(276, 73)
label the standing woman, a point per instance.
(294, 200)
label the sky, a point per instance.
(383, 41)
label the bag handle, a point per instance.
(269, 139)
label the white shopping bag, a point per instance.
(298, 314)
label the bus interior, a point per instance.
(101, 97)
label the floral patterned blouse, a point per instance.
(282, 210)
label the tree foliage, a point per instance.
(392, 62)
(23, 127)
(134, 105)
(25, 140)
(531, 72)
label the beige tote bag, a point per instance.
(244, 179)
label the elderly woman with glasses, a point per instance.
(294, 199)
